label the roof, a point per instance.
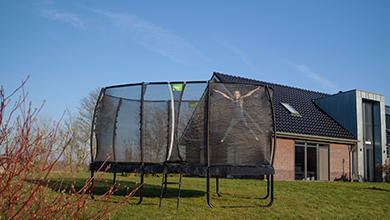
(311, 121)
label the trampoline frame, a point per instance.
(166, 167)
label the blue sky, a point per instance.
(72, 47)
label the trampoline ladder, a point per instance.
(164, 189)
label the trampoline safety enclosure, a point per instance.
(201, 128)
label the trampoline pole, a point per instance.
(272, 192)
(165, 184)
(113, 183)
(208, 143)
(162, 189)
(268, 188)
(91, 194)
(141, 190)
(217, 183)
(208, 189)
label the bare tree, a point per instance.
(85, 117)
(80, 125)
(157, 127)
(46, 128)
(70, 124)
(85, 113)
(155, 134)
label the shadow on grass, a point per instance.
(149, 190)
(378, 189)
(152, 190)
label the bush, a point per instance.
(382, 172)
(28, 156)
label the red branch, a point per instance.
(27, 160)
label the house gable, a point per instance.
(342, 108)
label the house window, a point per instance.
(290, 109)
(368, 135)
(311, 161)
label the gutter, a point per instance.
(316, 138)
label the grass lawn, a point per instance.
(293, 200)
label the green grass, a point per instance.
(293, 200)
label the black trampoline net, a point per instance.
(197, 123)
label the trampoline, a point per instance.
(198, 128)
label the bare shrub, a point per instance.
(28, 156)
(382, 172)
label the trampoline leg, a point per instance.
(217, 183)
(141, 190)
(113, 182)
(208, 189)
(163, 190)
(91, 194)
(268, 188)
(271, 193)
(165, 185)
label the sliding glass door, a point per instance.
(311, 161)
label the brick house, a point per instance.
(326, 137)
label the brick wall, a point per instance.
(284, 159)
(339, 162)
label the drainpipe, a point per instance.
(352, 148)
(350, 163)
